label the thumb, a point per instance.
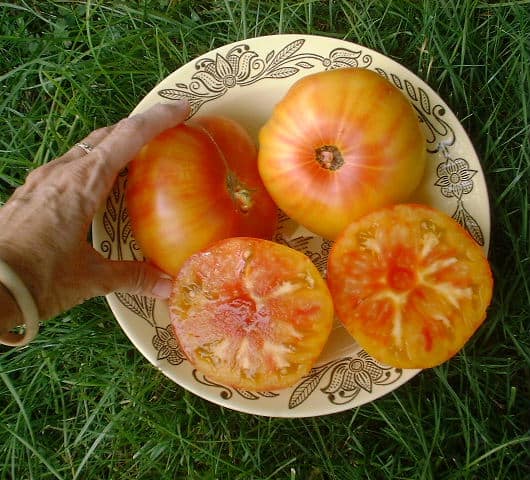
(137, 278)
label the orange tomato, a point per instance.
(340, 144)
(193, 185)
(409, 284)
(251, 313)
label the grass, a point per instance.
(82, 403)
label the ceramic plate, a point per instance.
(244, 81)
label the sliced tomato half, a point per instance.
(409, 284)
(251, 313)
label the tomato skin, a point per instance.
(409, 284)
(251, 313)
(193, 185)
(340, 143)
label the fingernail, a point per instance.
(162, 288)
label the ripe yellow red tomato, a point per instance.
(341, 143)
(193, 185)
(409, 284)
(251, 313)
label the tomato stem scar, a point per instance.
(329, 157)
(243, 199)
(240, 193)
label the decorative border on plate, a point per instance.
(454, 177)
(348, 376)
(241, 67)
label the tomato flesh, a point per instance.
(409, 284)
(251, 313)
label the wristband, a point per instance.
(24, 299)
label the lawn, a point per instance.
(81, 402)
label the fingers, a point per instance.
(93, 139)
(114, 146)
(136, 278)
(39, 175)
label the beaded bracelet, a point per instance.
(25, 302)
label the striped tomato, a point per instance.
(193, 185)
(338, 145)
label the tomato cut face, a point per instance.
(409, 284)
(251, 313)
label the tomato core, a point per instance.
(329, 157)
(401, 279)
(240, 312)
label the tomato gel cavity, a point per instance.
(251, 313)
(409, 284)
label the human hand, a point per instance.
(44, 225)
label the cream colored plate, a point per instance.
(244, 80)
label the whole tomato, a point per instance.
(340, 144)
(195, 184)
